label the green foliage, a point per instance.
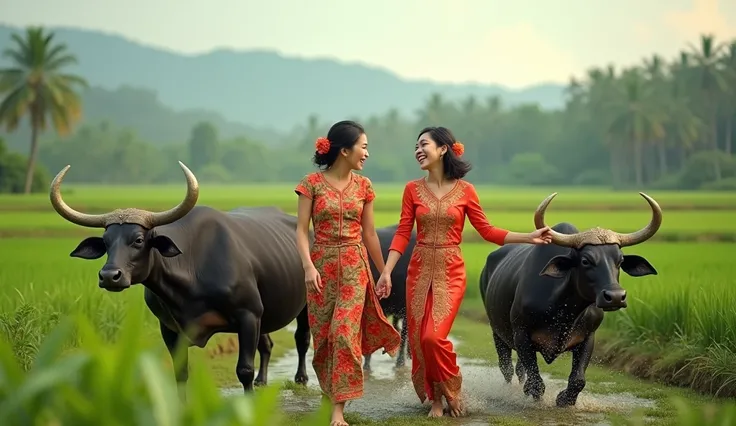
(727, 184)
(106, 154)
(13, 173)
(121, 383)
(531, 169)
(38, 86)
(639, 127)
(203, 146)
(688, 414)
(699, 169)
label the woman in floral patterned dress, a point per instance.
(345, 317)
(436, 279)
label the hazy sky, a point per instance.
(444, 40)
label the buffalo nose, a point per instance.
(614, 298)
(110, 275)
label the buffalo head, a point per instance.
(130, 237)
(596, 259)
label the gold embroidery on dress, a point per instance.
(433, 261)
(450, 388)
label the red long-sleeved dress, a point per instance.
(436, 279)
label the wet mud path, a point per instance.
(389, 393)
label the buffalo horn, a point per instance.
(599, 235)
(648, 231)
(140, 217)
(563, 240)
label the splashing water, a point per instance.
(389, 393)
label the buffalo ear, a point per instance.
(558, 266)
(165, 246)
(90, 248)
(637, 266)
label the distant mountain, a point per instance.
(140, 109)
(263, 88)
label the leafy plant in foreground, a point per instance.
(123, 383)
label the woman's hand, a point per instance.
(540, 236)
(312, 279)
(383, 286)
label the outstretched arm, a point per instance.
(497, 235)
(486, 230)
(480, 222)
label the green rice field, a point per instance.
(680, 326)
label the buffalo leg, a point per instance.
(265, 345)
(504, 358)
(181, 370)
(581, 355)
(400, 356)
(401, 359)
(534, 385)
(367, 362)
(520, 373)
(406, 332)
(249, 334)
(302, 338)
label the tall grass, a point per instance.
(40, 283)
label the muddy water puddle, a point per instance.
(389, 393)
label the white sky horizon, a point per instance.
(514, 44)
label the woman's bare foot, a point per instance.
(456, 408)
(436, 410)
(338, 418)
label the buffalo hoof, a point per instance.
(258, 383)
(521, 378)
(301, 380)
(566, 399)
(535, 388)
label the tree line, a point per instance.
(661, 124)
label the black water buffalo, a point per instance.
(395, 304)
(204, 272)
(551, 298)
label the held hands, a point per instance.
(383, 286)
(540, 236)
(312, 279)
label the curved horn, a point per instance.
(563, 240)
(648, 231)
(190, 200)
(68, 213)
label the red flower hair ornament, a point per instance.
(322, 145)
(458, 148)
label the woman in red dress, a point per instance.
(345, 317)
(436, 279)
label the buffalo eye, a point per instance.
(585, 262)
(139, 241)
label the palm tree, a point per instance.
(729, 98)
(711, 82)
(654, 71)
(637, 118)
(684, 126)
(37, 85)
